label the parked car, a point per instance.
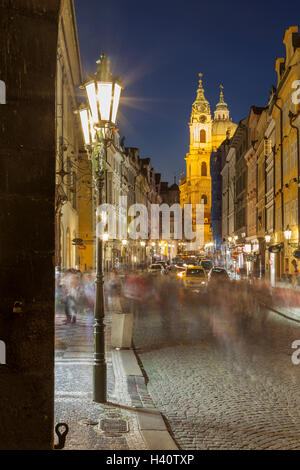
(207, 264)
(179, 271)
(218, 274)
(156, 269)
(165, 265)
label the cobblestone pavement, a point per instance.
(231, 392)
(73, 390)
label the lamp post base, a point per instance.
(99, 381)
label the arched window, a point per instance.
(204, 199)
(202, 135)
(203, 169)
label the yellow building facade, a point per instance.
(285, 112)
(206, 135)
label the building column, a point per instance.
(28, 44)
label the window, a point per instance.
(204, 199)
(286, 214)
(285, 113)
(270, 180)
(286, 162)
(278, 218)
(267, 147)
(294, 212)
(203, 169)
(277, 170)
(270, 218)
(294, 154)
(202, 136)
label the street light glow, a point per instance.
(117, 96)
(92, 97)
(83, 113)
(103, 94)
(104, 97)
(288, 233)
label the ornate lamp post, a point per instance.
(98, 121)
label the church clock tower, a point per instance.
(196, 187)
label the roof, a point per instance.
(221, 126)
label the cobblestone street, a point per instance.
(74, 398)
(241, 394)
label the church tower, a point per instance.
(196, 187)
(206, 135)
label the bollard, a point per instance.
(121, 330)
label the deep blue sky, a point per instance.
(159, 47)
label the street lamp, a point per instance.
(288, 233)
(98, 121)
(268, 238)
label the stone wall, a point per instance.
(28, 43)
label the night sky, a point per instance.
(159, 47)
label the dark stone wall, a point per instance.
(28, 43)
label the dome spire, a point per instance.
(222, 111)
(221, 104)
(201, 105)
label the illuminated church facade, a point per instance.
(206, 135)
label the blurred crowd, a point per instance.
(231, 309)
(74, 293)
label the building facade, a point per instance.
(285, 112)
(68, 137)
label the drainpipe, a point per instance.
(228, 201)
(293, 117)
(274, 213)
(281, 166)
(265, 173)
(281, 162)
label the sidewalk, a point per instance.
(129, 421)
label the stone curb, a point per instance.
(133, 392)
